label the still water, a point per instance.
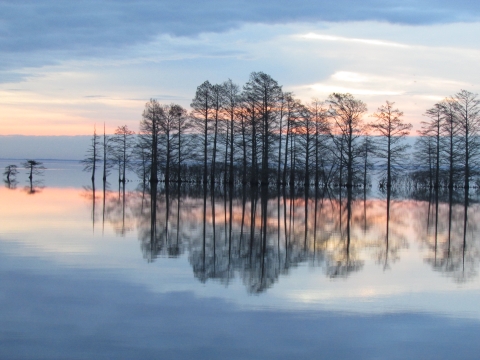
(244, 274)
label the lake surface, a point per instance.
(244, 274)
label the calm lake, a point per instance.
(244, 274)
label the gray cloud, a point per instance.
(91, 27)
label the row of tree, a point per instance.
(260, 134)
(448, 148)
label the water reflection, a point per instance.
(259, 234)
(450, 233)
(11, 184)
(33, 187)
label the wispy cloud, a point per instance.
(328, 89)
(323, 37)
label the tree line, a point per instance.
(259, 134)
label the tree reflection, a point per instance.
(345, 258)
(34, 187)
(11, 184)
(452, 238)
(393, 237)
(259, 234)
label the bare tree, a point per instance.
(367, 149)
(467, 108)
(433, 129)
(451, 152)
(123, 143)
(93, 155)
(292, 114)
(149, 130)
(320, 119)
(34, 168)
(231, 105)
(202, 105)
(392, 130)
(306, 131)
(424, 157)
(183, 142)
(346, 113)
(265, 94)
(251, 122)
(107, 148)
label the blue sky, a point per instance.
(66, 66)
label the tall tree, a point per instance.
(183, 142)
(244, 131)
(231, 105)
(346, 113)
(306, 131)
(142, 154)
(367, 150)
(34, 168)
(450, 134)
(424, 158)
(167, 128)
(392, 129)
(106, 147)
(92, 157)
(123, 143)
(251, 123)
(467, 107)
(150, 130)
(281, 125)
(291, 109)
(320, 119)
(217, 95)
(433, 128)
(266, 94)
(202, 105)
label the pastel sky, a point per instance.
(68, 65)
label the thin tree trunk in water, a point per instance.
(244, 147)
(168, 160)
(389, 165)
(231, 180)
(154, 168)
(254, 177)
(279, 148)
(124, 156)
(205, 140)
(266, 147)
(214, 155)
(307, 159)
(437, 165)
(94, 165)
(225, 163)
(286, 152)
(104, 154)
(450, 185)
(317, 135)
(179, 154)
(467, 159)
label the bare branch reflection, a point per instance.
(259, 234)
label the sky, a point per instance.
(67, 66)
